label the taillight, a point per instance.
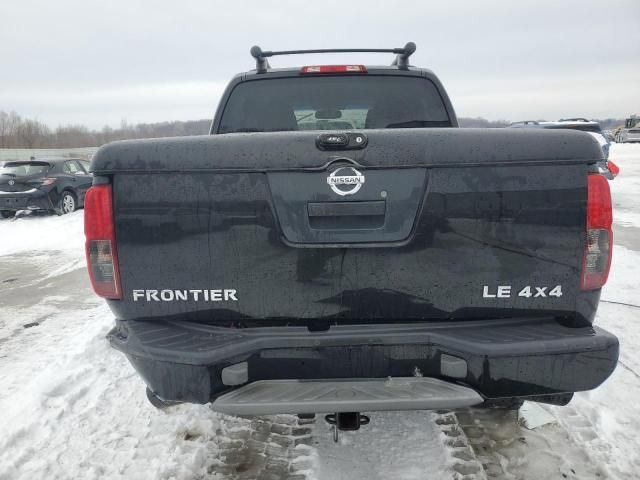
(597, 252)
(613, 168)
(334, 69)
(48, 181)
(99, 230)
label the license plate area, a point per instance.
(12, 202)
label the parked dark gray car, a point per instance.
(56, 185)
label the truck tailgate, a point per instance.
(248, 229)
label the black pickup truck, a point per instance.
(338, 245)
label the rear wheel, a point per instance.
(68, 203)
(7, 213)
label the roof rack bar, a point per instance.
(402, 54)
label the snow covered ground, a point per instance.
(71, 407)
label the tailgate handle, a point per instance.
(347, 209)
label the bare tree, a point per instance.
(106, 135)
(4, 129)
(9, 124)
(30, 132)
(74, 136)
(16, 132)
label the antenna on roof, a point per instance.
(401, 60)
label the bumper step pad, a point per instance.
(266, 397)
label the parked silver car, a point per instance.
(581, 124)
(630, 132)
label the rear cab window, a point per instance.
(333, 103)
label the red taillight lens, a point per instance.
(598, 248)
(99, 230)
(613, 168)
(334, 69)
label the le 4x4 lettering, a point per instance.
(529, 291)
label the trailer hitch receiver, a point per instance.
(346, 421)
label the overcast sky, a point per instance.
(98, 62)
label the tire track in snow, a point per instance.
(263, 448)
(506, 450)
(465, 463)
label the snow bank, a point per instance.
(79, 411)
(43, 233)
(626, 154)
